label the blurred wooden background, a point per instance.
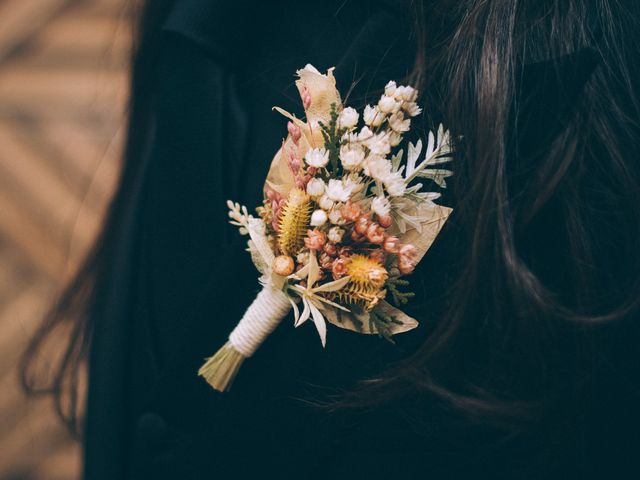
(62, 88)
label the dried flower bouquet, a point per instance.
(344, 219)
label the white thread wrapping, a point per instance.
(261, 318)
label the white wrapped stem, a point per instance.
(261, 318)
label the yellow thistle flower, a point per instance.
(366, 284)
(293, 222)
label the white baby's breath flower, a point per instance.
(335, 234)
(394, 138)
(373, 117)
(398, 123)
(348, 118)
(318, 218)
(388, 104)
(350, 137)
(412, 109)
(317, 157)
(406, 94)
(315, 187)
(337, 192)
(390, 88)
(377, 167)
(395, 185)
(381, 206)
(353, 183)
(335, 216)
(351, 156)
(303, 257)
(379, 144)
(325, 202)
(365, 134)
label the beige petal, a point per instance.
(332, 286)
(408, 323)
(323, 93)
(432, 218)
(314, 270)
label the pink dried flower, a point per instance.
(385, 221)
(331, 249)
(378, 255)
(294, 163)
(339, 268)
(407, 259)
(306, 97)
(357, 237)
(294, 131)
(408, 251)
(375, 233)
(406, 266)
(362, 224)
(272, 194)
(315, 239)
(326, 261)
(351, 211)
(391, 244)
(345, 251)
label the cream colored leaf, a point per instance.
(388, 310)
(332, 286)
(319, 322)
(333, 304)
(296, 311)
(306, 311)
(322, 89)
(431, 217)
(314, 270)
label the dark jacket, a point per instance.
(181, 279)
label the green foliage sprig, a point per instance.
(332, 135)
(399, 297)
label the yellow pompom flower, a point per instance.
(367, 278)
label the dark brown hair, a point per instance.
(511, 336)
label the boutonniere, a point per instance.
(345, 218)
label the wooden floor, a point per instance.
(62, 86)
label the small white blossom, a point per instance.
(373, 117)
(412, 109)
(325, 202)
(337, 192)
(335, 234)
(381, 206)
(318, 218)
(394, 138)
(349, 137)
(395, 185)
(335, 217)
(315, 187)
(317, 157)
(351, 156)
(406, 94)
(303, 257)
(353, 183)
(398, 123)
(377, 167)
(388, 104)
(348, 118)
(390, 88)
(379, 144)
(365, 134)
